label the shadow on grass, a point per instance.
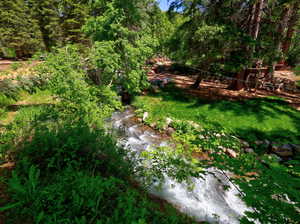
(263, 110)
(16, 107)
(172, 93)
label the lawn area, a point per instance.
(252, 119)
(26, 103)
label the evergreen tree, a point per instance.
(20, 35)
(46, 13)
(122, 44)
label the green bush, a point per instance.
(72, 196)
(5, 101)
(52, 150)
(74, 174)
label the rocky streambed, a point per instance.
(213, 198)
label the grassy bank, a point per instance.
(251, 119)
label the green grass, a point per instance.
(39, 97)
(267, 118)
(27, 103)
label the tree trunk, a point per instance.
(239, 82)
(256, 19)
(253, 31)
(197, 82)
(282, 25)
(291, 28)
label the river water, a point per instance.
(207, 201)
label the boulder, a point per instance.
(170, 131)
(275, 157)
(145, 116)
(285, 150)
(244, 143)
(194, 125)
(249, 150)
(259, 142)
(168, 121)
(296, 147)
(153, 125)
(231, 153)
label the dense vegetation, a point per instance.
(87, 57)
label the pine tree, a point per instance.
(20, 35)
(46, 14)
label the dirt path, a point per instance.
(25, 68)
(219, 91)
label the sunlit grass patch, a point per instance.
(261, 118)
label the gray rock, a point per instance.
(249, 150)
(153, 125)
(145, 116)
(244, 143)
(170, 131)
(259, 142)
(275, 157)
(231, 153)
(296, 147)
(168, 121)
(267, 142)
(285, 150)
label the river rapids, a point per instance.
(208, 200)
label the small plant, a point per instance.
(297, 69)
(15, 66)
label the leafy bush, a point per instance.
(72, 196)
(76, 173)
(80, 147)
(79, 98)
(5, 101)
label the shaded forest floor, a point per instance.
(219, 91)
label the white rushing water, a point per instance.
(207, 201)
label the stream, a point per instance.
(207, 201)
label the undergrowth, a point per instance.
(67, 169)
(270, 186)
(252, 119)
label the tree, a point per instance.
(252, 30)
(121, 44)
(20, 35)
(291, 27)
(46, 14)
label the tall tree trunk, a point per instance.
(291, 28)
(253, 31)
(282, 25)
(239, 82)
(197, 82)
(257, 19)
(200, 76)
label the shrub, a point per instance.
(74, 174)
(72, 196)
(5, 101)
